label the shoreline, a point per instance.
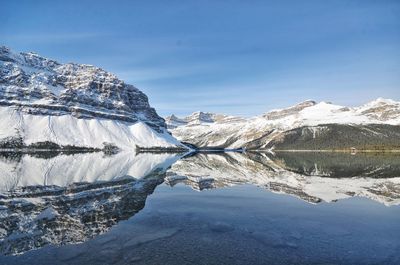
(183, 150)
(337, 151)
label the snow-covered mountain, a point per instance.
(80, 105)
(257, 132)
(199, 118)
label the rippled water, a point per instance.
(215, 208)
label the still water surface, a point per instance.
(217, 208)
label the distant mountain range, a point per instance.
(306, 126)
(46, 104)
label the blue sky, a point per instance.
(234, 57)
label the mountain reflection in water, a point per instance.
(313, 177)
(69, 199)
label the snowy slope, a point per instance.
(72, 104)
(69, 130)
(236, 132)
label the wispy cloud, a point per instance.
(140, 74)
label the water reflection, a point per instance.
(67, 199)
(71, 198)
(63, 170)
(339, 165)
(313, 177)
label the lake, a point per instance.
(204, 208)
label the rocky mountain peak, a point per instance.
(382, 101)
(380, 109)
(196, 118)
(172, 117)
(281, 113)
(307, 103)
(201, 117)
(173, 121)
(38, 85)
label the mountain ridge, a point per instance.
(375, 103)
(258, 131)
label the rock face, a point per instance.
(263, 131)
(42, 86)
(33, 87)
